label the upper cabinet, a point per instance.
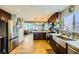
(4, 15)
(54, 17)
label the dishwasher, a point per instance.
(72, 50)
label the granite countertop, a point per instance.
(74, 43)
(40, 31)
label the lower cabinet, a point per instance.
(56, 47)
(60, 49)
(12, 44)
(72, 50)
(39, 36)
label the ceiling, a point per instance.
(33, 12)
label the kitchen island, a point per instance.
(39, 35)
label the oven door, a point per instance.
(72, 50)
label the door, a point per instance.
(72, 51)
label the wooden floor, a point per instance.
(30, 46)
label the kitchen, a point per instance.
(60, 31)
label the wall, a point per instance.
(66, 12)
(76, 8)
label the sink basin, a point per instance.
(65, 38)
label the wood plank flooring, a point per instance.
(30, 46)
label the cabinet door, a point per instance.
(53, 45)
(50, 39)
(59, 49)
(72, 51)
(13, 43)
